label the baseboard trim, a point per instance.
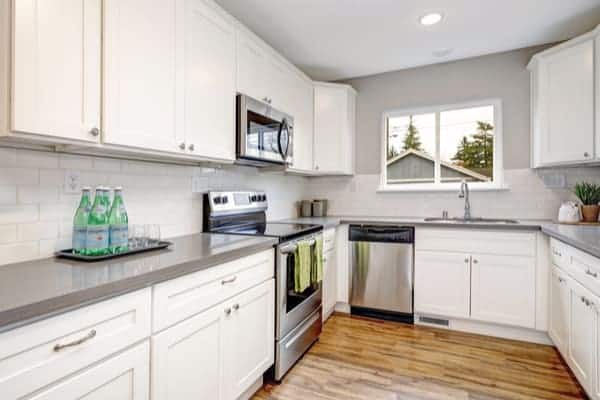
(255, 387)
(487, 329)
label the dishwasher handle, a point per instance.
(381, 233)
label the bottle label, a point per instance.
(119, 235)
(99, 210)
(79, 237)
(97, 237)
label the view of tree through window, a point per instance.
(466, 138)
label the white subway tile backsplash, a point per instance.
(37, 231)
(37, 159)
(8, 195)
(67, 161)
(8, 233)
(18, 214)
(8, 157)
(106, 165)
(37, 194)
(15, 252)
(19, 176)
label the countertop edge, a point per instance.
(578, 244)
(31, 313)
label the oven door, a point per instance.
(292, 307)
(264, 134)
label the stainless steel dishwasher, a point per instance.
(381, 271)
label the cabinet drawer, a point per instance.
(559, 253)
(181, 298)
(476, 241)
(585, 269)
(34, 356)
(328, 240)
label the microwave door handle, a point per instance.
(282, 126)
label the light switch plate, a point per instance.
(72, 182)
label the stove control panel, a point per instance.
(242, 201)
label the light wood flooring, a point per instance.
(365, 359)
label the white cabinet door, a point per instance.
(302, 109)
(582, 345)
(248, 340)
(565, 103)
(209, 81)
(559, 310)
(329, 283)
(142, 64)
(503, 289)
(56, 68)
(122, 377)
(334, 128)
(442, 283)
(251, 66)
(187, 358)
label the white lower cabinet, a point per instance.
(122, 377)
(582, 343)
(219, 353)
(329, 282)
(442, 283)
(559, 309)
(501, 289)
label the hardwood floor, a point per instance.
(364, 359)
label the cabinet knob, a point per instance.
(317, 167)
(227, 311)
(182, 146)
(475, 262)
(94, 131)
(466, 260)
(591, 273)
(191, 147)
(586, 154)
(236, 307)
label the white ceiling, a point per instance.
(338, 39)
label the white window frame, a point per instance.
(498, 172)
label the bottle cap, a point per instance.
(86, 189)
(119, 189)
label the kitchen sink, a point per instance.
(472, 220)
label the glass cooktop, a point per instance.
(281, 230)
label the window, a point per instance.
(438, 147)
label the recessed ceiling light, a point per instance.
(431, 19)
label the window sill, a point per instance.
(450, 187)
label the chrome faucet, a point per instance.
(464, 194)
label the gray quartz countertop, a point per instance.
(33, 290)
(584, 237)
(333, 221)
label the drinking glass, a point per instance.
(139, 236)
(132, 242)
(153, 234)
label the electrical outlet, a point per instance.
(555, 181)
(72, 182)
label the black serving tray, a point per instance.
(68, 253)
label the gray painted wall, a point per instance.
(502, 75)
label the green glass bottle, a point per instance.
(80, 222)
(118, 224)
(97, 228)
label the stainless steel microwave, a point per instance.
(265, 136)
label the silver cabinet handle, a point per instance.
(227, 311)
(466, 260)
(324, 259)
(317, 167)
(94, 131)
(230, 280)
(586, 154)
(561, 280)
(587, 302)
(191, 147)
(475, 261)
(236, 307)
(77, 342)
(182, 146)
(591, 273)
(556, 253)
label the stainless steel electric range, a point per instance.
(298, 316)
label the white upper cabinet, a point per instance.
(141, 69)
(334, 128)
(302, 109)
(564, 87)
(251, 66)
(56, 68)
(209, 76)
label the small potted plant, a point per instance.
(589, 195)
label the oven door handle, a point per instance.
(291, 248)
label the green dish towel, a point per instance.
(302, 267)
(316, 273)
